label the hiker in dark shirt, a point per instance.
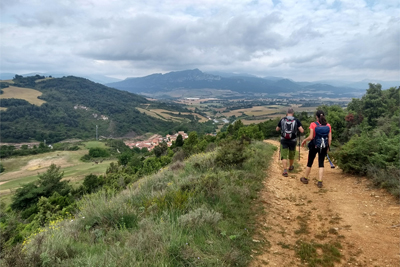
(320, 140)
(288, 126)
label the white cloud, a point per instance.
(307, 40)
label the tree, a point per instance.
(179, 141)
(190, 143)
(373, 103)
(50, 181)
(151, 165)
(124, 158)
(26, 196)
(160, 149)
(97, 152)
(92, 183)
(336, 118)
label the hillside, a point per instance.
(72, 109)
(202, 202)
(246, 85)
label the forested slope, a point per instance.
(73, 108)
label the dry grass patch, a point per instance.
(256, 111)
(7, 81)
(151, 113)
(166, 114)
(248, 122)
(27, 94)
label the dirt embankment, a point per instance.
(362, 222)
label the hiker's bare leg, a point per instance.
(320, 173)
(284, 164)
(291, 162)
(307, 174)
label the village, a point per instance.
(151, 143)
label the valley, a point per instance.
(73, 106)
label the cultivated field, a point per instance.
(166, 115)
(7, 81)
(159, 115)
(27, 94)
(256, 111)
(22, 170)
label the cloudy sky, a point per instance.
(303, 40)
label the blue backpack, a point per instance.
(321, 136)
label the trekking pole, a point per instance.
(299, 145)
(330, 162)
(279, 152)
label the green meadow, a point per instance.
(25, 169)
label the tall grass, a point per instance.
(194, 213)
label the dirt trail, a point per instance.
(364, 221)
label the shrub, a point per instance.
(230, 154)
(179, 156)
(97, 152)
(199, 217)
(388, 179)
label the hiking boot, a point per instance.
(291, 168)
(285, 174)
(319, 184)
(304, 180)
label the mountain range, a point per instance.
(243, 84)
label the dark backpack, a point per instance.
(288, 128)
(321, 135)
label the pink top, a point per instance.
(313, 125)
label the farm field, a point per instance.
(220, 108)
(159, 115)
(22, 170)
(27, 94)
(256, 111)
(201, 118)
(166, 115)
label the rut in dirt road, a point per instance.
(345, 223)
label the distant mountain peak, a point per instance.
(195, 79)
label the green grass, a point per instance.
(196, 215)
(13, 184)
(94, 144)
(16, 163)
(74, 173)
(315, 254)
(25, 169)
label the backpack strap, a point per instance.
(283, 126)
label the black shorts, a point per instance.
(312, 153)
(289, 143)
